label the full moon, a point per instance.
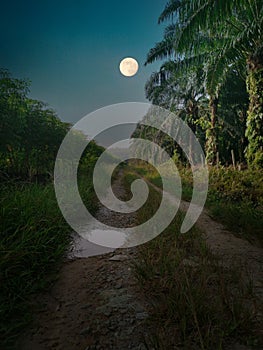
(129, 67)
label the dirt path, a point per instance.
(96, 304)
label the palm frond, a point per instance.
(170, 10)
(161, 50)
(171, 30)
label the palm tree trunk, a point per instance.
(211, 133)
(254, 131)
(192, 125)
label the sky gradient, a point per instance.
(70, 51)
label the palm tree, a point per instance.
(220, 34)
(197, 55)
(180, 93)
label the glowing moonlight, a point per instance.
(129, 66)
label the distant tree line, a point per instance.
(31, 134)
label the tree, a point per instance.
(198, 57)
(30, 132)
(240, 23)
(220, 34)
(12, 106)
(179, 92)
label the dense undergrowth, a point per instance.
(235, 197)
(195, 301)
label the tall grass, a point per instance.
(34, 238)
(195, 301)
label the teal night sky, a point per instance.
(70, 50)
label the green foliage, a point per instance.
(232, 109)
(254, 130)
(34, 239)
(34, 236)
(12, 102)
(235, 198)
(212, 133)
(236, 186)
(242, 218)
(30, 133)
(222, 40)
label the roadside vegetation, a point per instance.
(196, 302)
(235, 198)
(34, 237)
(211, 76)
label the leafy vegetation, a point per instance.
(235, 197)
(30, 133)
(213, 49)
(34, 236)
(212, 78)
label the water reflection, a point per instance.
(82, 248)
(108, 238)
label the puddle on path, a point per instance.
(95, 238)
(82, 248)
